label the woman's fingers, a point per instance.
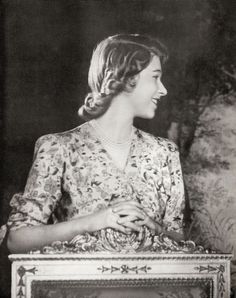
(117, 201)
(125, 224)
(129, 222)
(151, 224)
(113, 222)
(135, 213)
(125, 219)
(128, 216)
(132, 225)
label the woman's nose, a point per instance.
(162, 91)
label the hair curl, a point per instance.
(115, 62)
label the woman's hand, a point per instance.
(133, 216)
(154, 226)
(108, 218)
(124, 216)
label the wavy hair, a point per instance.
(115, 62)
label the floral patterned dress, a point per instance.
(73, 175)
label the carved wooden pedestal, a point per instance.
(106, 275)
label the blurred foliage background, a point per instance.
(45, 52)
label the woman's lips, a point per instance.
(155, 100)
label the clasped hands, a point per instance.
(129, 216)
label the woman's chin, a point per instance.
(148, 116)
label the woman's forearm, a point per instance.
(35, 237)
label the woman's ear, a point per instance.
(131, 83)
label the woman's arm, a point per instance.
(29, 238)
(35, 237)
(31, 210)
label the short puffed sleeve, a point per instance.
(43, 188)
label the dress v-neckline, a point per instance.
(108, 155)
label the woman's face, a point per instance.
(149, 89)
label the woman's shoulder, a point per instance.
(62, 138)
(157, 142)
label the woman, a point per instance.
(105, 173)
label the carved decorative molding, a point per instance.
(91, 288)
(124, 269)
(220, 272)
(67, 275)
(21, 284)
(98, 256)
(115, 242)
(141, 282)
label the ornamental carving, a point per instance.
(124, 269)
(21, 284)
(220, 272)
(109, 240)
(163, 287)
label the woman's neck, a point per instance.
(117, 122)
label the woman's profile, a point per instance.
(105, 173)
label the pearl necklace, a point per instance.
(107, 140)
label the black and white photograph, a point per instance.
(118, 148)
